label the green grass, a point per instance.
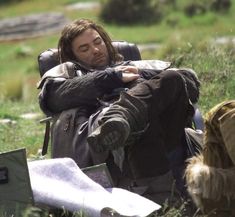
(20, 132)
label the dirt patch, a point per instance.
(29, 26)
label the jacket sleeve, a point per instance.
(62, 94)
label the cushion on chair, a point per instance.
(129, 50)
(47, 60)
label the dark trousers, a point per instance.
(168, 111)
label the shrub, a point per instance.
(221, 5)
(131, 11)
(198, 7)
(195, 8)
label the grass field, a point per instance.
(188, 42)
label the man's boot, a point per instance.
(124, 121)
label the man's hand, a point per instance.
(129, 73)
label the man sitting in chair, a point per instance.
(129, 115)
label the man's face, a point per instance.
(90, 49)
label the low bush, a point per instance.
(131, 11)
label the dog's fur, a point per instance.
(211, 188)
(210, 176)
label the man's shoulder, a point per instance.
(63, 71)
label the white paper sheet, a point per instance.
(60, 183)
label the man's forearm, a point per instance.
(78, 91)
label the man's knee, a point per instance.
(182, 78)
(172, 80)
(172, 74)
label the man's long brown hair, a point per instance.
(77, 27)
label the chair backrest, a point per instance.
(49, 58)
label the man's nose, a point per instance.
(95, 49)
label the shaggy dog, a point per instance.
(210, 176)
